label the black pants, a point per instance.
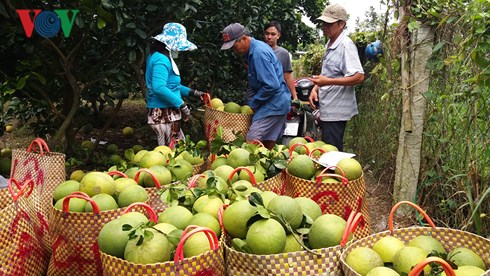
(333, 133)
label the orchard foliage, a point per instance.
(60, 84)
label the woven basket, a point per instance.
(449, 238)
(208, 263)
(5, 198)
(324, 261)
(22, 250)
(229, 122)
(153, 192)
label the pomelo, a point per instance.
(232, 107)
(154, 250)
(112, 148)
(136, 217)
(467, 270)
(105, 202)
(208, 204)
(301, 166)
(220, 183)
(387, 247)
(206, 220)
(216, 102)
(309, 207)
(162, 173)
(326, 231)
(224, 172)
(292, 245)
(351, 168)
(112, 239)
(258, 175)
(194, 160)
(329, 147)
(288, 208)
(137, 157)
(131, 173)
(267, 196)
(178, 216)
(238, 158)
(5, 165)
(196, 244)
(137, 148)
(408, 257)
(245, 109)
(427, 243)
(132, 194)
(75, 205)
(363, 259)
(297, 140)
(77, 175)
(235, 218)
(152, 158)
(128, 131)
(122, 183)
(382, 271)
(218, 162)
(266, 236)
(462, 256)
(65, 188)
(96, 183)
(165, 150)
(181, 169)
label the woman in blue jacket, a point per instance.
(165, 106)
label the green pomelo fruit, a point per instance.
(326, 231)
(292, 245)
(319, 143)
(267, 196)
(76, 205)
(115, 159)
(137, 157)
(77, 175)
(408, 257)
(208, 204)
(162, 173)
(194, 160)
(181, 169)
(387, 247)
(122, 183)
(220, 183)
(258, 175)
(65, 188)
(245, 109)
(167, 228)
(152, 158)
(112, 149)
(235, 218)
(224, 172)
(428, 244)
(329, 147)
(301, 166)
(112, 239)
(242, 187)
(132, 194)
(351, 168)
(128, 131)
(165, 150)
(97, 183)
(218, 162)
(363, 259)
(288, 208)
(196, 244)
(105, 202)
(266, 236)
(137, 148)
(310, 146)
(382, 271)
(309, 207)
(131, 173)
(215, 103)
(137, 217)
(297, 140)
(206, 220)
(155, 250)
(232, 107)
(239, 158)
(462, 256)
(178, 216)
(467, 270)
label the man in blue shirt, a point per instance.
(270, 97)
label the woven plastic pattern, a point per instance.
(21, 247)
(450, 239)
(208, 263)
(274, 184)
(199, 168)
(74, 241)
(154, 200)
(5, 198)
(230, 122)
(334, 198)
(327, 262)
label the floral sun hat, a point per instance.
(174, 36)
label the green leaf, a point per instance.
(20, 83)
(101, 23)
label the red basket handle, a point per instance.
(350, 227)
(153, 215)
(173, 143)
(420, 266)
(82, 195)
(118, 173)
(316, 149)
(21, 189)
(342, 173)
(392, 213)
(193, 180)
(250, 174)
(298, 145)
(40, 143)
(155, 180)
(309, 139)
(257, 142)
(221, 211)
(207, 100)
(319, 178)
(188, 232)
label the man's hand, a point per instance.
(196, 93)
(313, 97)
(320, 80)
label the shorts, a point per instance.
(267, 129)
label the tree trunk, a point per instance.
(415, 82)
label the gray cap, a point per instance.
(231, 33)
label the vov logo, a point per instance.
(47, 23)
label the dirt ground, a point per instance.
(378, 199)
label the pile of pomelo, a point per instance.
(280, 224)
(392, 256)
(107, 193)
(230, 107)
